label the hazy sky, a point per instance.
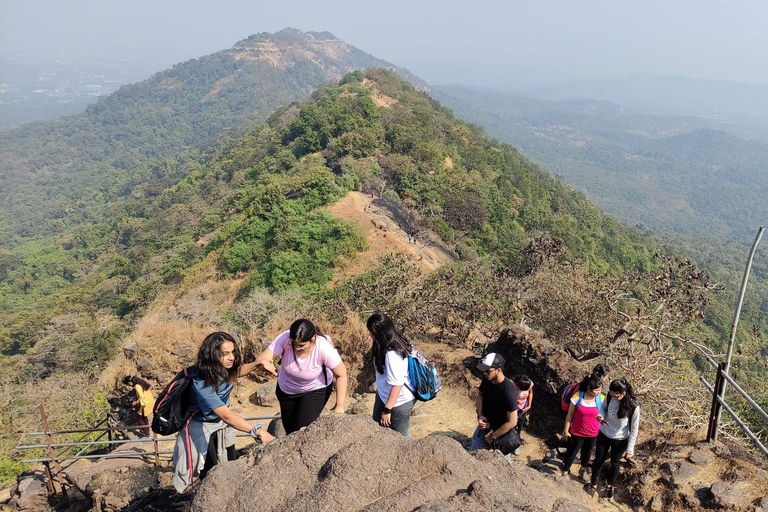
(557, 38)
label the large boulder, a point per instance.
(348, 463)
(80, 475)
(265, 395)
(31, 494)
(732, 496)
(131, 350)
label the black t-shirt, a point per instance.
(498, 401)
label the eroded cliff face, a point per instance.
(348, 463)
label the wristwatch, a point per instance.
(386, 410)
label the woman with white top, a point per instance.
(307, 368)
(618, 433)
(394, 398)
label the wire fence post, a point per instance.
(49, 479)
(155, 448)
(51, 452)
(714, 412)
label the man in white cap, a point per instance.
(496, 403)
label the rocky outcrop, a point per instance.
(30, 494)
(348, 463)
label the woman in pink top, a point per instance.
(583, 423)
(309, 364)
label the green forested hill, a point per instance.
(58, 174)
(689, 175)
(490, 198)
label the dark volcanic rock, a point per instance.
(265, 395)
(130, 349)
(700, 458)
(729, 496)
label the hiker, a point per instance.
(524, 401)
(410, 237)
(600, 371)
(144, 402)
(567, 392)
(307, 368)
(618, 433)
(208, 437)
(583, 423)
(394, 398)
(496, 409)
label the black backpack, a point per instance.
(170, 411)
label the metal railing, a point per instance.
(68, 447)
(718, 390)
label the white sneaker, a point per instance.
(517, 451)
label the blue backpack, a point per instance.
(598, 401)
(424, 379)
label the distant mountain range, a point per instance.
(691, 175)
(665, 94)
(55, 174)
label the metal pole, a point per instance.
(736, 317)
(715, 410)
(52, 451)
(155, 447)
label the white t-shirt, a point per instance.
(395, 374)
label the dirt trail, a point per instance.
(386, 232)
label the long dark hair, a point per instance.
(302, 330)
(386, 337)
(599, 371)
(130, 380)
(590, 382)
(209, 365)
(629, 402)
(523, 382)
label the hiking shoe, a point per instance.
(516, 451)
(583, 475)
(591, 491)
(609, 493)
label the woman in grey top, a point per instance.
(618, 433)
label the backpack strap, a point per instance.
(578, 402)
(599, 402)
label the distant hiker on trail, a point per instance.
(618, 433)
(372, 194)
(410, 237)
(394, 398)
(307, 368)
(600, 371)
(209, 434)
(583, 423)
(496, 409)
(524, 401)
(144, 402)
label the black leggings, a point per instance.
(617, 449)
(574, 444)
(300, 410)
